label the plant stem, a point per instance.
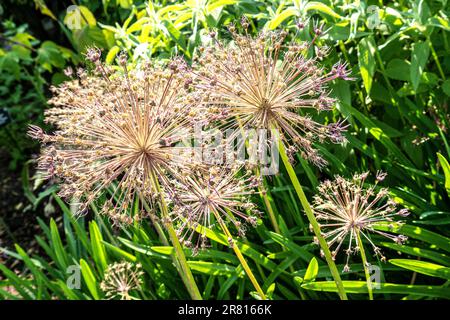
(436, 58)
(180, 258)
(156, 224)
(312, 220)
(268, 205)
(261, 190)
(271, 213)
(364, 261)
(188, 278)
(239, 255)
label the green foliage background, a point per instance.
(397, 108)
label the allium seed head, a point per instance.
(120, 279)
(346, 208)
(118, 132)
(218, 195)
(263, 83)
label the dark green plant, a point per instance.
(27, 67)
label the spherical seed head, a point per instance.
(347, 208)
(118, 132)
(219, 195)
(266, 84)
(120, 279)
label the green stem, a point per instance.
(266, 200)
(155, 223)
(273, 220)
(188, 278)
(436, 58)
(268, 205)
(239, 255)
(180, 258)
(365, 264)
(312, 220)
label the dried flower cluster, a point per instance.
(347, 209)
(217, 195)
(262, 83)
(118, 127)
(120, 279)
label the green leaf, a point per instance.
(78, 17)
(89, 279)
(60, 252)
(446, 167)
(163, 250)
(279, 18)
(147, 250)
(440, 22)
(40, 4)
(69, 293)
(98, 248)
(212, 268)
(23, 51)
(427, 268)
(23, 287)
(324, 271)
(280, 269)
(311, 271)
(213, 5)
(361, 287)
(416, 233)
(366, 61)
(246, 249)
(295, 248)
(270, 291)
(419, 57)
(79, 229)
(50, 56)
(321, 7)
(224, 287)
(377, 133)
(125, 3)
(398, 69)
(446, 87)
(418, 252)
(89, 36)
(121, 254)
(175, 34)
(112, 54)
(434, 218)
(40, 280)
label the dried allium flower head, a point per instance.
(120, 279)
(217, 195)
(262, 83)
(345, 208)
(118, 127)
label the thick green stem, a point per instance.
(365, 264)
(312, 220)
(180, 258)
(239, 255)
(188, 278)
